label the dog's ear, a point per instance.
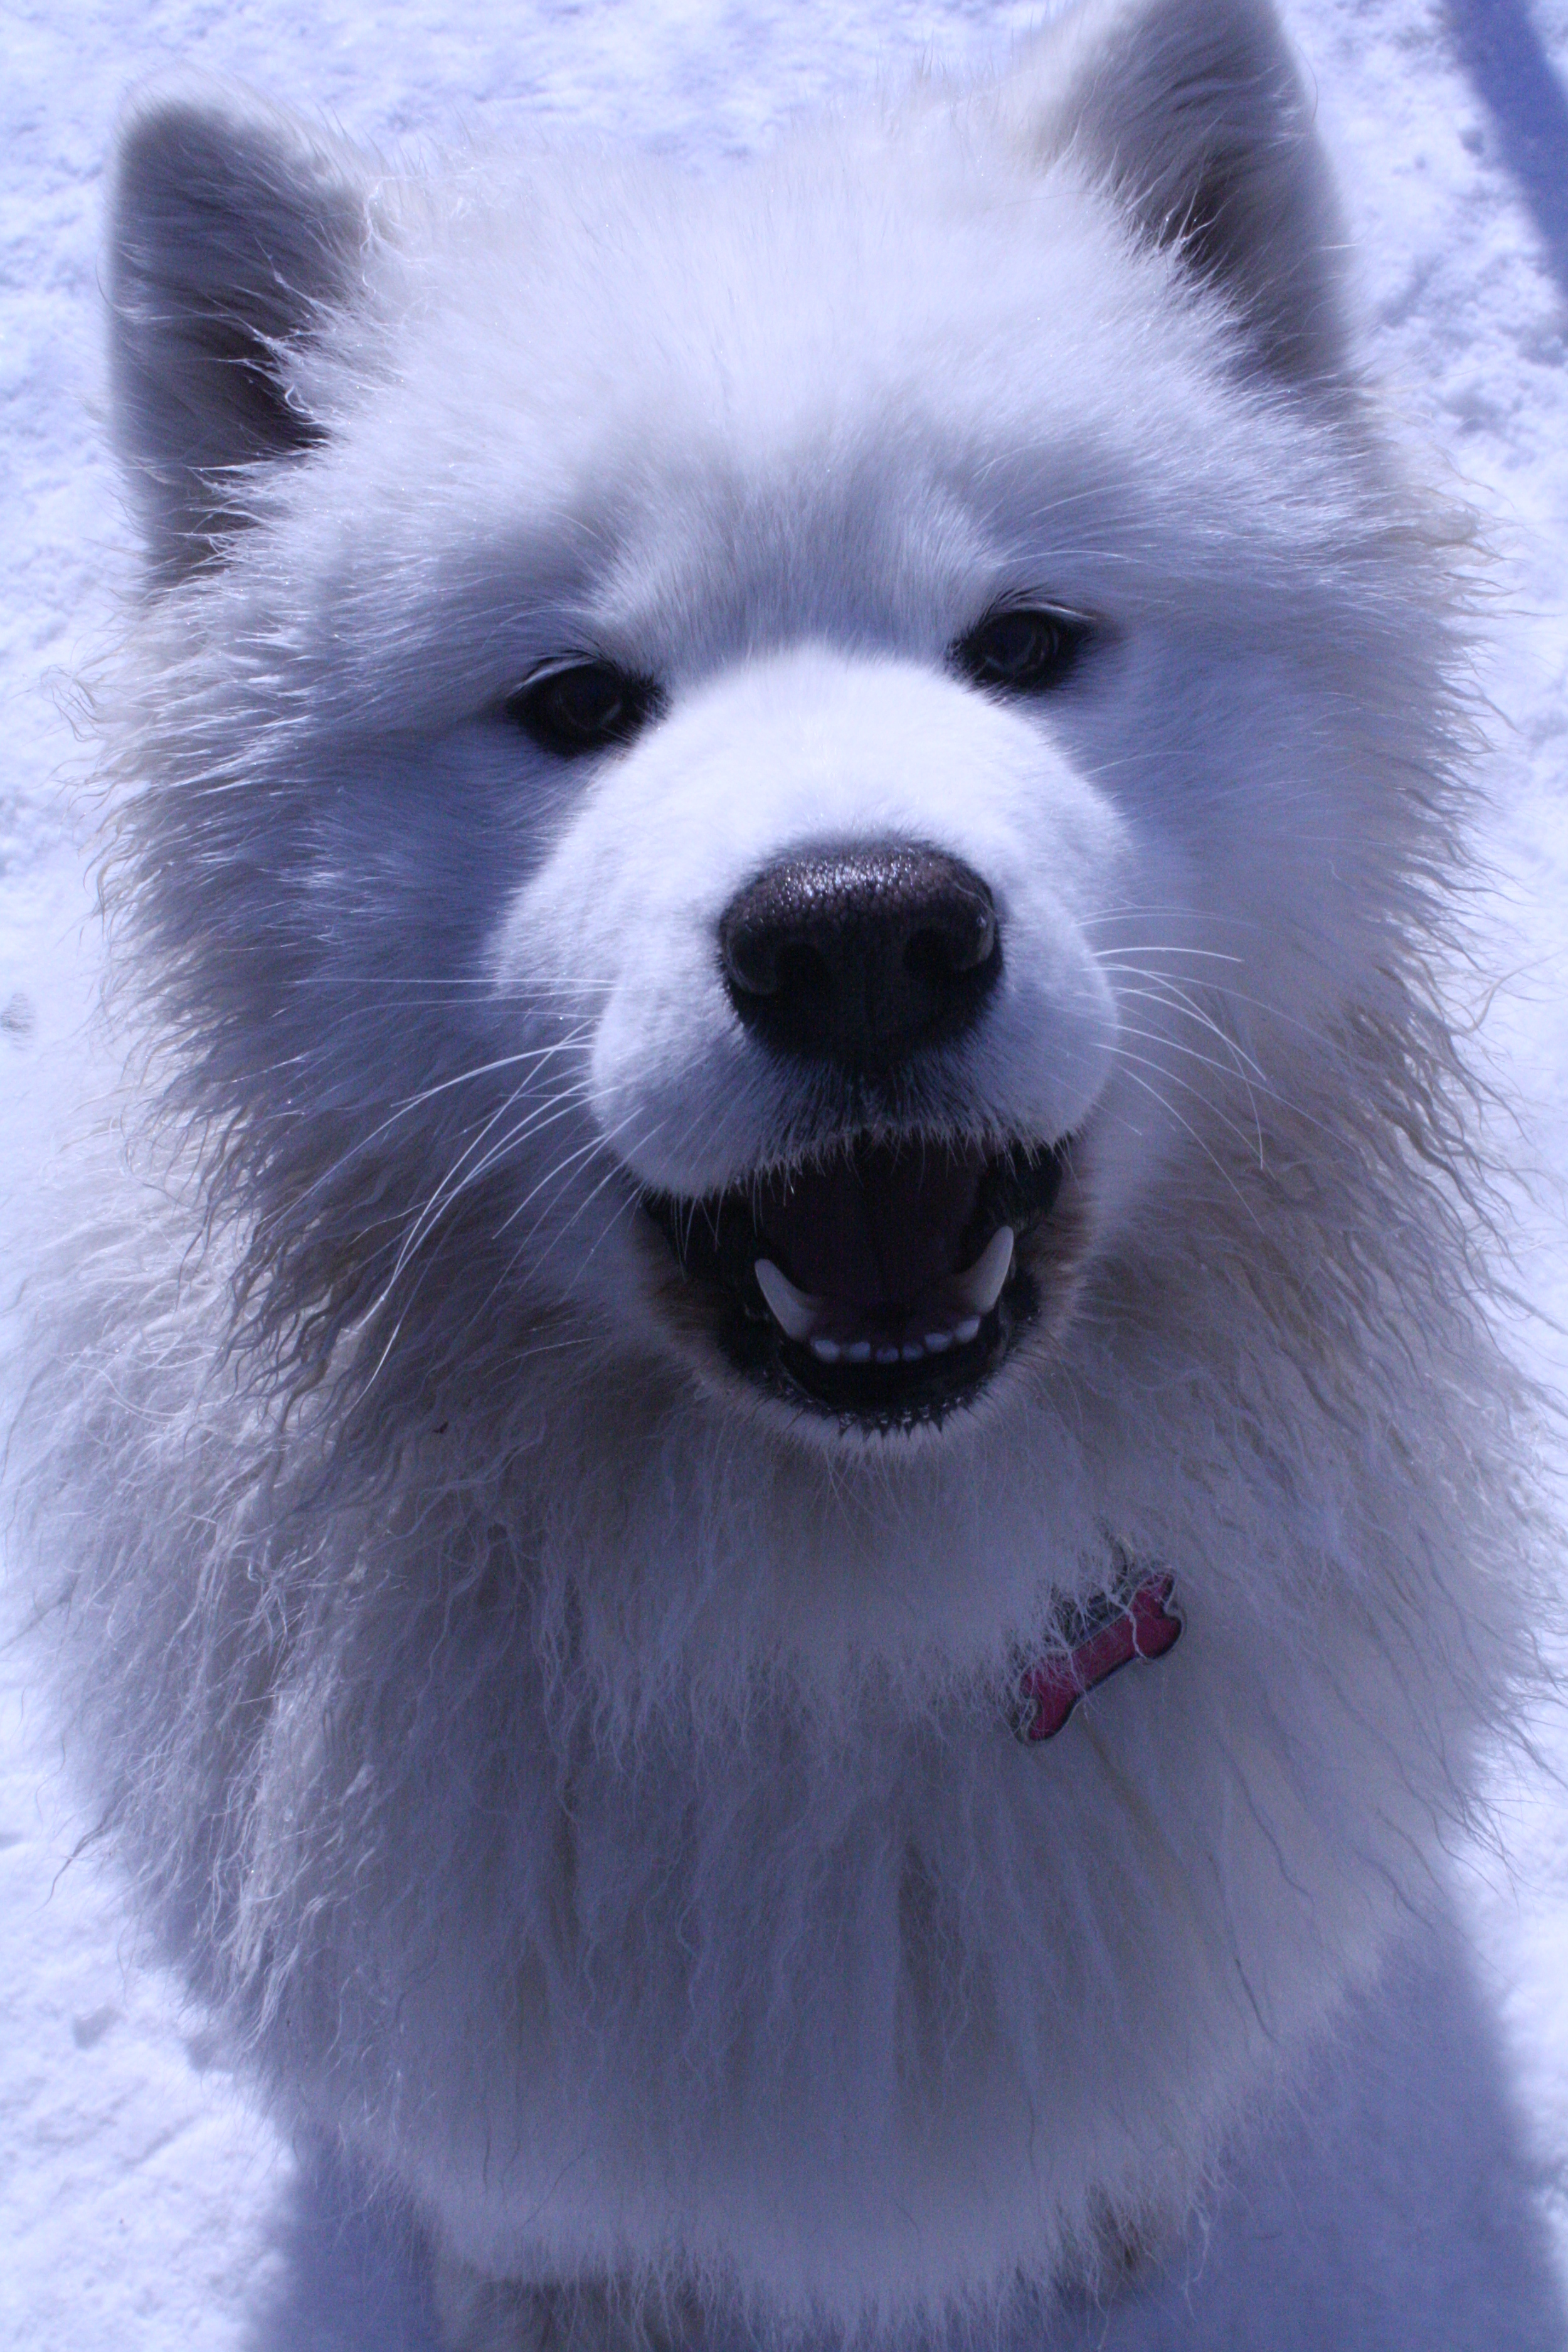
(233, 233)
(1192, 113)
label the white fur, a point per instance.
(581, 1784)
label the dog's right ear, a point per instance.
(233, 233)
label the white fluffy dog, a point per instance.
(779, 843)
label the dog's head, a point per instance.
(748, 775)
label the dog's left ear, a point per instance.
(1193, 115)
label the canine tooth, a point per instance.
(828, 1351)
(911, 1351)
(980, 1288)
(966, 1331)
(792, 1310)
(937, 1340)
(858, 1352)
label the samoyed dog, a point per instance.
(780, 841)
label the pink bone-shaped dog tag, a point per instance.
(1108, 1634)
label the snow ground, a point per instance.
(144, 2205)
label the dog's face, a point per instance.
(771, 753)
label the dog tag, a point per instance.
(1103, 1637)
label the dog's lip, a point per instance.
(883, 1283)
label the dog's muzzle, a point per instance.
(883, 1281)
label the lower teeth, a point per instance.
(795, 1311)
(863, 1351)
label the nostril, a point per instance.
(803, 972)
(963, 942)
(751, 959)
(759, 961)
(861, 955)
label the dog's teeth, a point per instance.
(980, 1288)
(974, 1294)
(796, 1314)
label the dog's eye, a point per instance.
(1028, 649)
(587, 707)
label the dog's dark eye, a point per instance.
(588, 706)
(1025, 650)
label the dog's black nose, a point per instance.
(863, 955)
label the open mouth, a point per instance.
(883, 1286)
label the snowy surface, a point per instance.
(144, 2205)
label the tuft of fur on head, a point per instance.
(580, 1786)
